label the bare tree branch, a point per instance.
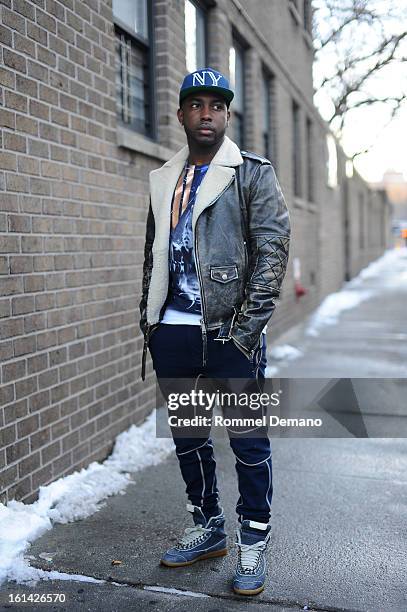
(370, 146)
(341, 104)
(361, 38)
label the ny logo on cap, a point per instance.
(199, 78)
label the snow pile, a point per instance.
(391, 268)
(74, 497)
(173, 591)
(285, 352)
(138, 447)
(332, 306)
(271, 371)
(388, 265)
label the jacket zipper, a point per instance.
(198, 269)
(150, 329)
(246, 255)
(203, 322)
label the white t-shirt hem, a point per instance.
(177, 317)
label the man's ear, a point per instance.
(180, 115)
(228, 117)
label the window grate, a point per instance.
(132, 83)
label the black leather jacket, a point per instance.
(241, 241)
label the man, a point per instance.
(215, 256)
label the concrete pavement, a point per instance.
(339, 535)
(339, 506)
(369, 340)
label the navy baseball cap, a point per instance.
(206, 79)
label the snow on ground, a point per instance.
(81, 494)
(271, 371)
(285, 352)
(332, 306)
(75, 497)
(391, 267)
(172, 591)
(281, 353)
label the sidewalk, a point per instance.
(368, 340)
(339, 505)
(338, 530)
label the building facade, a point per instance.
(395, 186)
(89, 93)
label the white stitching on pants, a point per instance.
(253, 464)
(269, 500)
(214, 472)
(192, 449)
(203, 478)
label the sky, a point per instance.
(389, 150)
(370, 125)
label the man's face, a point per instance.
(205, 117)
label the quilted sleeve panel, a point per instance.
(271, 261)
(268, 242)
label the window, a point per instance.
(310, 160)
(268, 115)
(370, 234)
(332, 162)
(133, 64)
(349, 168)
(296, 149)
(236, 71)
(195, 36)
(361, 221)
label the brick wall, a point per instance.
(73, 203)
(73, 210)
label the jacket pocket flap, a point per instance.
(224, 274)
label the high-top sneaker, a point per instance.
(205, 540)
(251, 540)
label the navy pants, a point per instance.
(176, 351)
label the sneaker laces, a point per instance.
(192, 536)
(249, 554)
